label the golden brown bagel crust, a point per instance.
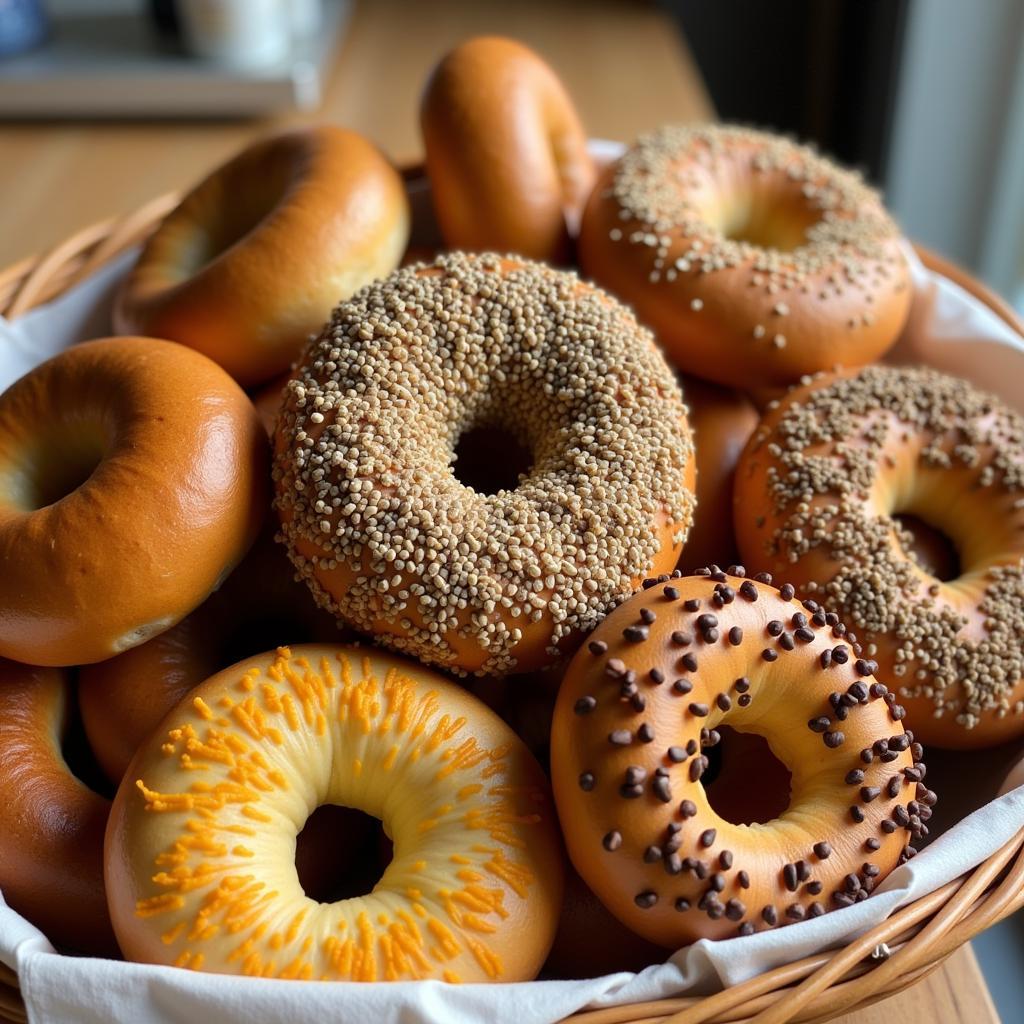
(260, 604)
(51, 832)
(658, 678)
(506, 154)
(254, 258)
(375, 518)
(475, 884)
(816, 490)
(722, 421)
(753, 259)
(133, 478)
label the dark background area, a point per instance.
(823, 70)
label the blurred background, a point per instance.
(105, 104)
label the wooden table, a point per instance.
(624, 63)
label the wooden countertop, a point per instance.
(624, 63)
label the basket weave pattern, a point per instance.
(889, 958)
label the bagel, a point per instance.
(51, 823)
(753, 259)
(818, 490)
(254, 258)
(133, 478)
(641, 708)
(506, 154)
(375, 517)
(201, 863)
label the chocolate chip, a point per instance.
(597, 647)
(819, 724)
(620, 738)
(869, 793)
(804, 635)
(636, 634)
(872, 844)
(631, 791)
(612, 841)
(795, 912)
(681, 638)
(735, 909)
(700, 710)
(615, 667)
(707, 837)
(775, 627)
(769, 655)
(692, 604)
(717, 882)
(682, 904)
(587, 781)
(857, 814)
(834, 738)
(822, 850)
(786, 591)
(697, 766)
(723, 701)
(743, 879)
(814, 888)
(748, 591)
(789, 877)
(815, 910)
(744, 700)
(646, 899)
(635, 774)
(652, 854)
(688, 809)
(656, 676)
(645, 734)
(682, 686)
(826, 659)
(769, 916)
(689, 661)
(676, 755)
(735, 636)
(584, 705)
(725, 859)
(662, 789)
(854, 777)
(893, 786)
(647, 617)
(706, 621)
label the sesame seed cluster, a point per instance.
(647, 787)
(661, 184)
(366, 444)
(828, 448)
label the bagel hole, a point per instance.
(929, 547)
(489, 459)
(77, 752)
(781, 227)
(59, 470)
(745, 782)
(341, 853)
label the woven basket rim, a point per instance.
(900, 951)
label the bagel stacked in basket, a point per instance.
(319, 539)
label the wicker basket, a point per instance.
(889, 958)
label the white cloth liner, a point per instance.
(948, 329)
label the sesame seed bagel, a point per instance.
(645, 704)
(722, 421)
(201, 841)
(260, 604)
(506, 154)
(388, 537)
(51, 824)
(753, 259)
(817, 492)
(254, 258)
(133, 478)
